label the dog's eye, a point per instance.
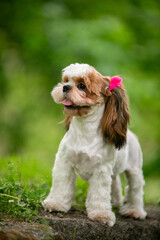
(81, 86)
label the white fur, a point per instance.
(76, 70)
(83, 151)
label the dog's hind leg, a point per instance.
(133, 202)
(133, 205)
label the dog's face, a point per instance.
(82, 87)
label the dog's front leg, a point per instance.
(98, 201)
(63, 184)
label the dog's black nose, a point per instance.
(66, 88)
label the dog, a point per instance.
(97, 145)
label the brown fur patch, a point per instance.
(67, 121)
(75, 112)
(97, 84)
(77, 96)
(78, 79)
(105, 86)
(65, 79)
(93, 82)
(96, 100)
(116, 117)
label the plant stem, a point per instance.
(6, 195)
(75, 232)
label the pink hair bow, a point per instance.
(115, 82)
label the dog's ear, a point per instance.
(116, 117)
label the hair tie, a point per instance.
(115, 82)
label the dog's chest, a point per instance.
(87, 153)
(84, 164)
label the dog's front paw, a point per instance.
(133, 212)
(103, 217)
(52, 205)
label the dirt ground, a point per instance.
(75, 226)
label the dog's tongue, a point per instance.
(66, 102)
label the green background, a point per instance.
(38, 39)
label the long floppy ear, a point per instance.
(116, 117)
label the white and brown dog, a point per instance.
(97, 146)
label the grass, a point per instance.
(24, 183)
(19, 198)
(20, 201)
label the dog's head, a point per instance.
(82, 88)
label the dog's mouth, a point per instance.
(74, 107)
(70, 105)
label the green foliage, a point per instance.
(37, 40)
(20, 201)
(81, 194)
